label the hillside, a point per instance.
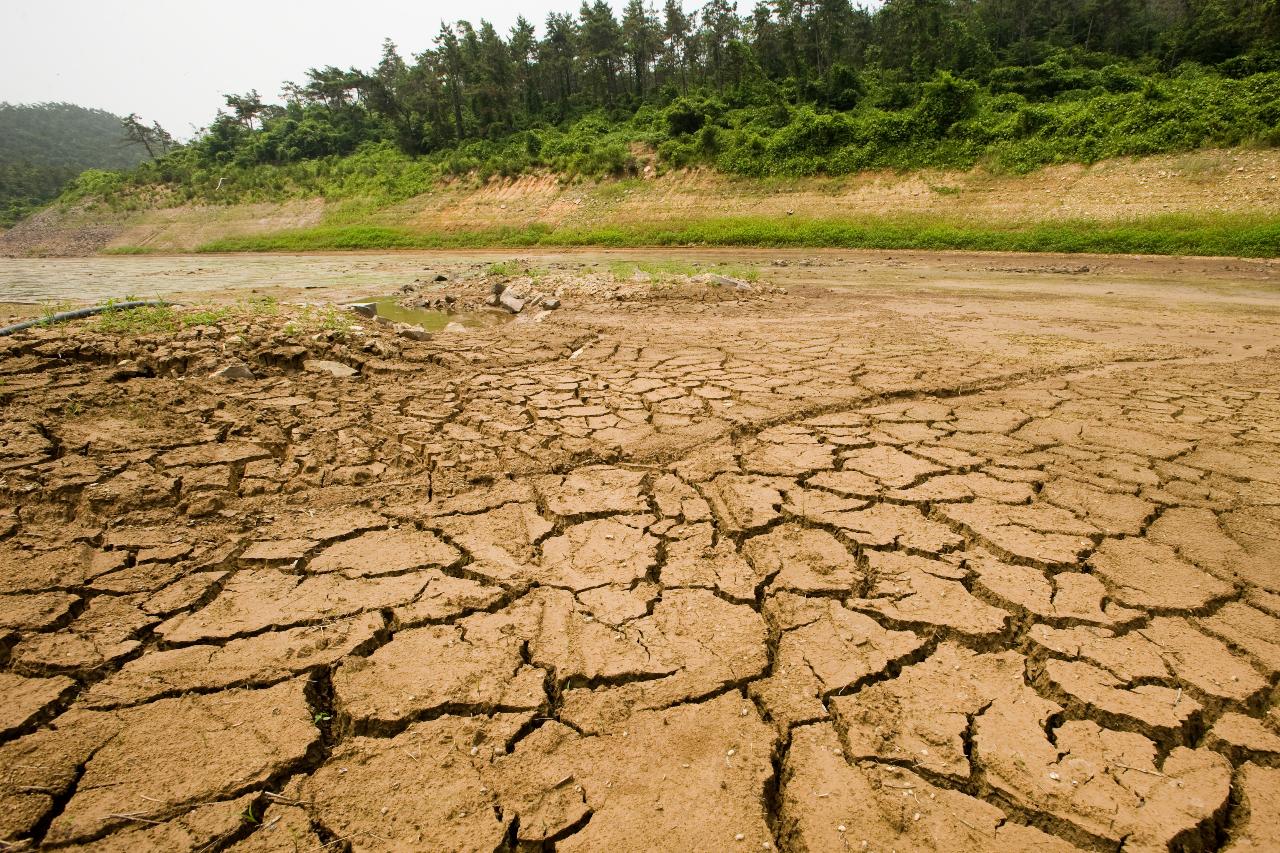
(789, 125)
(1201, 202)
(44, 146)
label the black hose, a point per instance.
(79, 313)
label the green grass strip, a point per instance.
(1174, 234)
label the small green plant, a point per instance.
(333, 319)
(248, 816)
(72, 408)
(206, 316)
(149, 319)
(262, 306)
(505, 268)
(321, 717)
(49, 310)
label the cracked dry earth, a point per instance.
(955, 570)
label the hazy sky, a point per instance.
(172, 61)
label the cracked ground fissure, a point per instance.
(647, 575)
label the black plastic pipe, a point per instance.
(78, 314)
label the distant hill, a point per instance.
(43, 146)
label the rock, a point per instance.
(491, 300)
(551, 303)
(497, 288)
(412, 333)
(727, 281)
(364, 309)
(335, 369)
(232, 372)
(511, 302)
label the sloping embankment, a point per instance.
(1211, 183)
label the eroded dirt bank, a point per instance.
(924, 563)
(1212, 181)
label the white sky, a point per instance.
(172, 60)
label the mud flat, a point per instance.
(874, 552)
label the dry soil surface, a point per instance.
(894, 560)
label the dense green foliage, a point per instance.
(44, 146)
(792, 88)
(1241, 236)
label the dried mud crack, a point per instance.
(786, 571)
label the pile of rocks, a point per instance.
(508, 299)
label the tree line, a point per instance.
(477, 84)
(44, 146)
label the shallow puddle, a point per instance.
(433, 320)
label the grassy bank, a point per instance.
(1233, 235)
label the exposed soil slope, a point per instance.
(1211, 181)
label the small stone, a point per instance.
(413, 333)
(336, 369)
(232, 372)
(510, 302)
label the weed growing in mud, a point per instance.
(505, 268)
(328, 318)
(207, 316)
(49, 310)
(149, 319)
(262, 306)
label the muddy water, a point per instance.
(359, 275)
(433, 321)
(95, 279)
